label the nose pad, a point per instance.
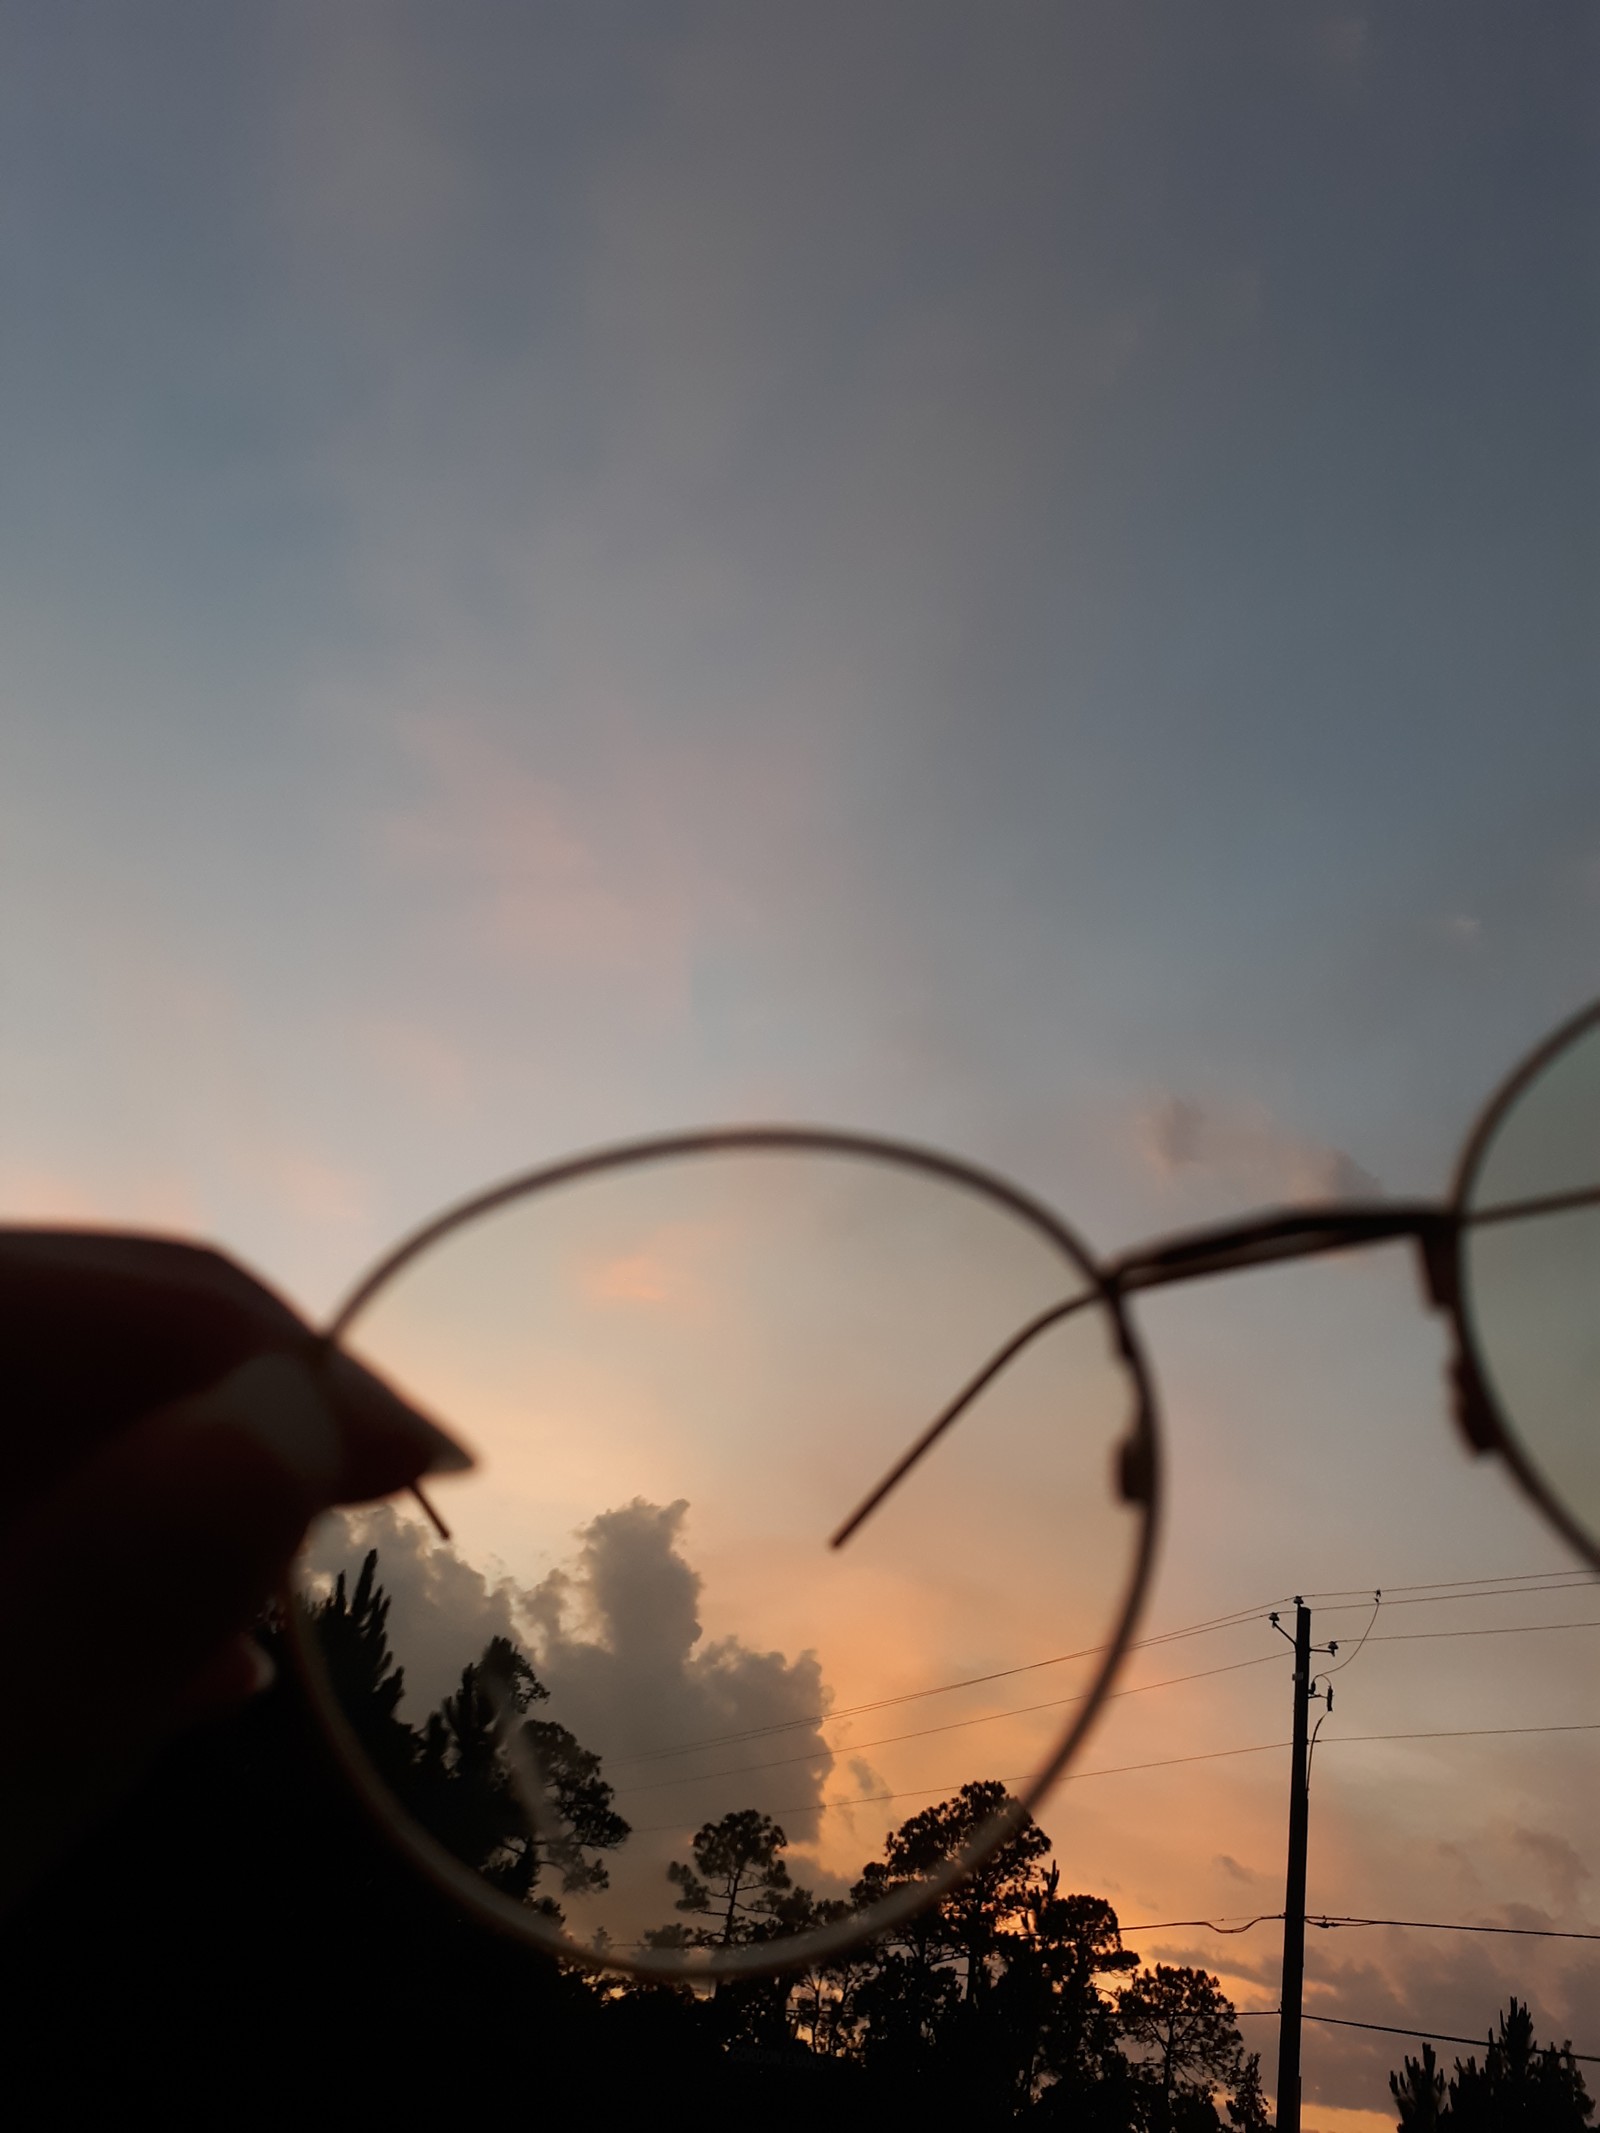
(1474, 1410)
(1438, 1251)
(1437, 1255)
(1135, 1471)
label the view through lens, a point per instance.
(636, 1691)
(1532, 1277)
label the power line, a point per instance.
(1344, 1740)
(1448, 1586)
(1165, 1762)
(953, 1725)
(1235, 1620)
(1386, 2029)
(1436, 2036)
(1421, 1925)
(1329, 1672)
(1212, 1925)
(944, 1688)
(1436, 1925)
(928, 1792)
(1451, 1599)
(1500, 1629)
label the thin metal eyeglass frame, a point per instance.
(1138, 1475)
(1436, 1228)
(1271, 1239)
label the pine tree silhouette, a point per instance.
(1521, 2087)
(1419, 2094)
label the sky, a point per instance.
(1020, 578)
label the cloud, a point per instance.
(1244, 1147)
(616, 1637)
(442, 1612)
(426, 1067)
(39, 1192)
(1458, 1984)
(1343, 43)
(535, 881)
(1225, 1863)
(322, 1192)
(1463, 927)
(1565, 1872)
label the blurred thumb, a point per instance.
(136, 1572)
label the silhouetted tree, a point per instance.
(351, 1630)
(741, 1885)
(738, 1878)
(512, 1795)
(937, 1998)
(1049, 1998)
(1183, 2023)
(1520, 2087)
(1419, 2094)
(1247, 2106)
(966, 1925)
(824, 2006)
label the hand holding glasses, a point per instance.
(816, 1475)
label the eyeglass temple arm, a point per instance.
(1235, 1245)
(1265, 1240)
(942, 1421)
(1303, 1233)
(1296, 1233)
(1257, 1242)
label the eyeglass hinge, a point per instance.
(1135, 1475)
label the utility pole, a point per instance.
(1294, 1890)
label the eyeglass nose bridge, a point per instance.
(1308, 1232)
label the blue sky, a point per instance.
(976, 573)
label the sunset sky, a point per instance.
(1015, 576)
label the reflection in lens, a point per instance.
(636, 1692)
(1531, 1264)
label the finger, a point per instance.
(241, 1669)
(329, 1420)
(97, 1327)
(116, 1590)
(124, 1583)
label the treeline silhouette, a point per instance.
(1521, 2084)
(237, 1945)
(1017, 1999)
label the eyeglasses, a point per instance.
(818, 1476)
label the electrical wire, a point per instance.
(1165, 1762)
(1387, 2029)
(1237, 1619)
(928, 1792)
(1448, 1586)
(1436, 1925)
(1329, 1672)
(1436, 1599)
(953, 1725)
(1345, 1740)
(1499, 1629)
(1430, 2036)
(1403, 1636)
(1311, 1746)
(1335, 1921)
(944, 1688)
(1163, 1925)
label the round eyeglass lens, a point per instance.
(1531, 1276)
(636, 1695)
